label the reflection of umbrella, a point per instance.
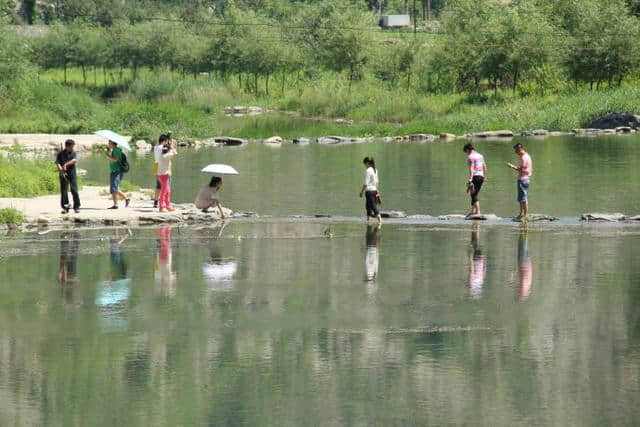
(220, 169)
(122, 141)
(219, 275)
(113, 292)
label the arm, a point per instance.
(220, 209)
(364, 187)
(70, 163)
(485, 170)
(470, 171)
(111, 158)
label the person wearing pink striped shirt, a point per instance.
(477, 175)
(525, 170)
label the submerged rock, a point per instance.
(483, 217)
(612, 217)
(330, 140)
(421, 137)
(535, 218)
(447, 136)
(451, 216)
(420, 216)
(535, 132)
(274, 140)
(227, 140)
(633, 218)
(393, 214)
(494, 134)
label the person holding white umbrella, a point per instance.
(208, 195)
(115, 156)
(118, 164)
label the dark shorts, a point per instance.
(523, 188)
(477, 186)
(114, 181)
(370, 204)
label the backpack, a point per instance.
(124, 163)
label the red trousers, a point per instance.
(164, 201)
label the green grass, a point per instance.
(20, 177)
(193, 108)
(11, 216)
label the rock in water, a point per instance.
(614, 120)
(274, 140)
(301, 141)
(612, 217)
(393, 214)
(451, 216)
(633, 218)
(535, 218)
(484, 217)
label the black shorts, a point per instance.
(477, 185)
(370, 205)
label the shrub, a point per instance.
(11, 216)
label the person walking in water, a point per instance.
(66, 164)
(164, 173)
(524, 169)
(370, 190)
(208, 196)
(115, 156)
(477, 175)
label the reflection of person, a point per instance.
(208, 196)
(219, 272)
(115, 156)
(66, 163)
(525, 267)
(68, 258)
(524, 169)
(118, 266)
(477, 175)
(477, 264)
(372, 256)
(165, 277)
(164, 174)
(370, 190)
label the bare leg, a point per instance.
(476, 208)
(379, 218)
(524, 208)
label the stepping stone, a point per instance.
(633, 218)
(451, 216)
(611, 217)
(535, 218)
(484, 217)
(393, 214)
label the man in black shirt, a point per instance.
(66, 163)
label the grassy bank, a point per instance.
(20, 177)
(193, 108)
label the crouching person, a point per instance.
(208, 196)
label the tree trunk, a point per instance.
(104, 75)
(95, 76)
(65, 72)
(591, 85)
(255, 82)
(515, 82)
(283, 78)
(266, 84)
(406, 6)
(240, 81)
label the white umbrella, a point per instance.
(122, 141)
(220, 169)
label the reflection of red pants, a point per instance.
(164, 201)
(165, 244)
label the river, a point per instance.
(282, 321)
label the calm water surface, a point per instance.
(270, 323)
(571, 176)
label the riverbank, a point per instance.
(44, 212)
(199, 110)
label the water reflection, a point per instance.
(525, 268)
(218, 272)
(477, 264)
(114, 292)
(164, 275)
(67, 271)
(372, 257)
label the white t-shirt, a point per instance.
(371, 179)
(157, 152)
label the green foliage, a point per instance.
(20, 177)
(11, 216)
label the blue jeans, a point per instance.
(114, 181)
(523, 187)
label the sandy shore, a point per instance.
(45, 141)
(45, 211)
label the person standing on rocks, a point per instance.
(115, 156)
(157, 153)
(66, 164)
(477, 175)
(525, 170)
(370, 190)
(164, 174)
